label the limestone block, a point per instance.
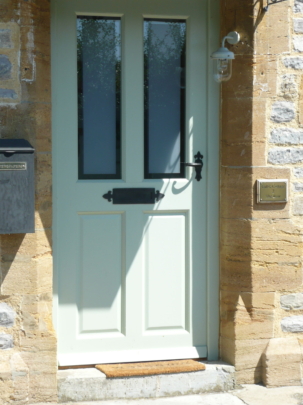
(25, 248)
(7, 315)
(292, 324)
(263, 255)
(286, 136)
(298, 43)
(247, 315)
(5, 67)
(289, 86)
(246, 355)
(40, 362)
(269, 39)
(43, 387)
(294, 62)
(282, 156)
(253, 75)
(10, 89)
(20, 379)
(298, 25)
(43, 213)
(247, 124)
(244, 154)
(282, 111)
(234, 13)
(249, 376)
(298, 172)
(291, 301)
(298, 187)
(19, 278)
(239, 191)
(298, 206)
(6, 341)
(298, 7)
(6, 383)
(5, 38)
(44, 175)
(243, 133)
(282, 363)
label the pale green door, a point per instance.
(130, 99)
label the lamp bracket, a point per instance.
(271, 3)
(232, 38)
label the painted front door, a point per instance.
(130, 100)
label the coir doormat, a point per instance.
(150, 368)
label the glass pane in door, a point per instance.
(164, 97)
(99, 97)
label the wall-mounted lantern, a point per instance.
(222, 58)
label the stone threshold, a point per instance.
(89, 384)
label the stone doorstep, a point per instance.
(89, 384)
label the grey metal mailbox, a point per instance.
(17, 186)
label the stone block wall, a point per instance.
(261, 245)
(28, 366)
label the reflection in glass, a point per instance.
(99, 96)
(164, 97)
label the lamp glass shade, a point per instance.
(222, 69)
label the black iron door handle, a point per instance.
(198, 165)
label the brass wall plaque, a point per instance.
(272, 191)
(13, 166)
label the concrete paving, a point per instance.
(247, 395)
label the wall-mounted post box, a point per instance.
(17, 186)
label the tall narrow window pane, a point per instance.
(164, 97)
(99, 96)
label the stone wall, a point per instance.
(28, 365)
(261, 245)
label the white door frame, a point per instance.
(211, 164)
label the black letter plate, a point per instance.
(133, 196)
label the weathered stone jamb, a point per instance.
(28, 367)
(247, 265)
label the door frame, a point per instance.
(211, 165)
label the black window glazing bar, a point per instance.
(177, 29)
(98, 39)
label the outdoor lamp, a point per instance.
(222, 58)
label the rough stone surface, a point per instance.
(294, 62)
(298, 172)
(289, 86)
(292, 301)
(283, 111)
(286, 136)
(282, 156)
(5, 67)
(260, 395)
(8, 93)
(281, 363)
(298, 44)
(6, 341)
(292, 324)
(7, 315)
(92, 385)
(298, 7)
(298, 206)
(247, 315)
(298, 187)
(5, 38)
(298, 25)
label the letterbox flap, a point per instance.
(15, 146)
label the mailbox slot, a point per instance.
(17, 187)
